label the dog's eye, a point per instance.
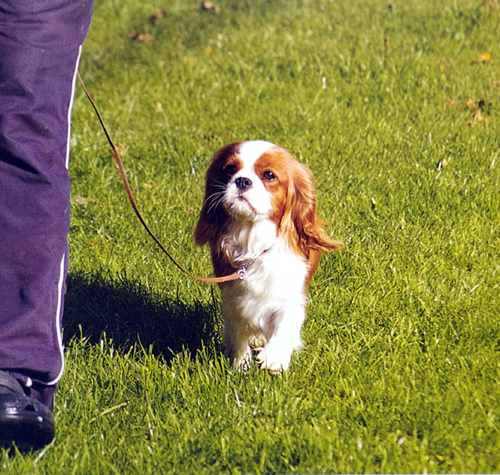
(268, 175)
(230, 169)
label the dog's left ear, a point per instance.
(301, 222)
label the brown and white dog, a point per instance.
(259, 215)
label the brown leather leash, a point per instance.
(238, 275)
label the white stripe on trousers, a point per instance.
(62, 274)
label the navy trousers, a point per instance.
(40, 45)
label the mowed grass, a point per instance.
(396, 111)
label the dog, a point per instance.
(259, 216)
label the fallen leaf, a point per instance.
(159, 107)
(157, 15)
(484, 58)
(80, 200)
(141, 37)
(470, 104)
(93, 243)
(477, 116)
(482, 104)
(439, 458)
(209, 7)
(441, 164)
(495, 84)
(392, 6)
(452, 103)
(121, 149)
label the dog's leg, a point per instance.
(284, 339)
(236, 340)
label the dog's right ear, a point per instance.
(213, 215)
(209, 223)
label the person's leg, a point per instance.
(40, 45)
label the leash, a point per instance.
(238, 275)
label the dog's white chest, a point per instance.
(275, 277)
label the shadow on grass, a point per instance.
(128, 313)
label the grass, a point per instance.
(396, 111)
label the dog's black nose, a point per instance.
(243, 183)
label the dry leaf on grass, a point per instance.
(452, 103)
(483, 58)
(480, 107)
(94, 243)
(80, 200)
(157, 15)
(470, 104)
(477, 116)
(441, 164)
(209, 7)
(141, 37)
(482, 104)
(439, 458)
(121, 149)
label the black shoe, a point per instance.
(23, 420)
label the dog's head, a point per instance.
(257, 180)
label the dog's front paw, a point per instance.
(242, 361)
(257, 342)
(274, 359)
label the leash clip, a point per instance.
(243, 273)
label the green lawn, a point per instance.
(396, 110)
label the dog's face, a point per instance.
(251, 181)
(256, 180)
